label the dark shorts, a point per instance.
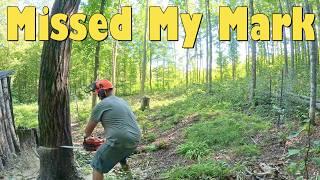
(108, 156)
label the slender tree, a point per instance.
(286, 68)
(114, 56)
(314, 58)
(54, 107)
(97, 56)
(233, 54)
(144, 60)
(187, 52)
(150, 67)
(292, 61)
(254, 62)
(210, 44)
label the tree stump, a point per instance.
(9, 143)
(28, 138)
(55, 163)
(145, 103)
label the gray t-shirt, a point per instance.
(118, 120)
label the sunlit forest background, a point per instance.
(235, 98)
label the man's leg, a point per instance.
(96, 175)
(124, 165)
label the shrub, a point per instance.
(26, 115)
(194, 150)
(247, 150)
(206, 170)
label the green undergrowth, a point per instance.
(26, 115)
(203, 170)
(228, 130)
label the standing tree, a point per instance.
(254, 62)
(97, 57)
(187, 52)
(114, 56)
(209, 33)
(144, 60)
(54, 107)
(314, 59)
(284, 45)
(233, 54)
(292, 72)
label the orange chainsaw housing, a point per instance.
(92, 143)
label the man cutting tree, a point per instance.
(120, 127)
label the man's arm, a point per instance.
(89, 128)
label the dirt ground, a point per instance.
(270, 164)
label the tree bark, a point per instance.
(114, 62)
(144, 60)
(286, 69)
(254, 63)
(54, 105)
(97, 58)
(9, 143)
(150, 68)
(292, 70)
(313, 71)
(207, 44)
(187, 54)
(187, 68)
(210, 45)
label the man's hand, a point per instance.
(92, 143)
(89, 128)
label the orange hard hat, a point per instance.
(103, 84)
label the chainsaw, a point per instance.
(89, 144)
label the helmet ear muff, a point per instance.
(102, 94)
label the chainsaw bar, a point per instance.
(72, 147)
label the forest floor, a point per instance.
(201, 136)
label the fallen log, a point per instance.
(302, 100)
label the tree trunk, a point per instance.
(210, 44)
(144, 60)
(285, 45)
(207, 44)
(54, 105)
(292, 71)
(318, 15)
(272, 60)
(254, 63)
(97, 58)
(9, 143)
(114, 62)
(313, 71)
(187, 54)
(150, 68)
(187, 68)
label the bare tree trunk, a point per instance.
(144, 61)
(248, 59)
(97, 57)
(114, 58)
(54, 104)
(210, 44)
(318, 15)
(254, 63)
(187, 54)
(285, 45)
(187, 68)
(114, 62)
(150, 68)
(272, 44)
(207, 44)
(292, 71)
(313, 71)
(9, 143)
